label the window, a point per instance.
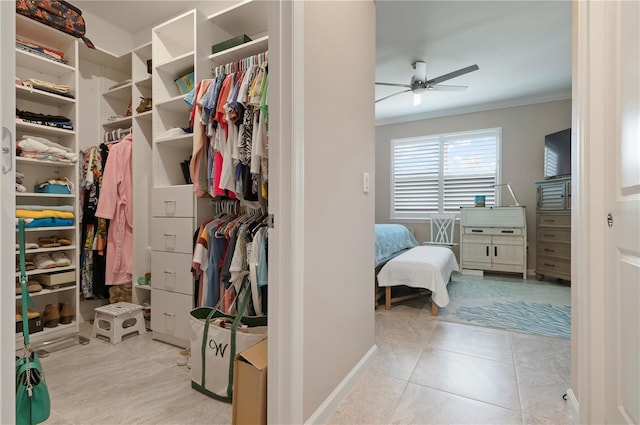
(442, 173)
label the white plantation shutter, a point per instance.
(443, 173)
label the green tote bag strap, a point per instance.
(26, 301)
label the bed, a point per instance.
(400, 261)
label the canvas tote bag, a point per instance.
(216, 338)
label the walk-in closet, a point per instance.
(189, 162)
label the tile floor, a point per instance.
(427, 371)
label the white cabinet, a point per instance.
(60, 283)
(494, 239)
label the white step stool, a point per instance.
(115, 315)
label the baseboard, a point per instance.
(574, 407)
(331, 403)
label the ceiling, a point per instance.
(523, 49)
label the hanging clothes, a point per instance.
(116, 204)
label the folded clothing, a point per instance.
(59, 89)
(43, 214)
(37, 144)
(68, 208)
(49, 222)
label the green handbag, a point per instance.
(33, 405)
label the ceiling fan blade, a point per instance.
(442, 87)
(453, 74)
(421, 71)
(394, 85)
(387, 97)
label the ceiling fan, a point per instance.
(419, 82)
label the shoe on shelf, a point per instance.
(43, 261)
(66, 313)
(48, 242)
(31, 314)
(51, 316)
(34, 286)
(61, 259)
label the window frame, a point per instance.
(425, 216)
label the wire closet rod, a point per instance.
(241, 65)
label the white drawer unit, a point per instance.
(172, 272)
(172, 234)
(172, 201)
(494, 239)
(170, 316)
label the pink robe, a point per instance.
(116, 204)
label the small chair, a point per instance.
(442, 226)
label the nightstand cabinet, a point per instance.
(553, 228)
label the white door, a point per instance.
(623, 238)
(7, 212)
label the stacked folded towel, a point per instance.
(45, 215)
(43, 148)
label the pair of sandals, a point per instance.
(53, 241)
(32, 286)
(46, 261)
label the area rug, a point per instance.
(542, 308)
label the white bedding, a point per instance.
(427, 267)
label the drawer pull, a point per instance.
(549, 265)
(487, 251)
(169, 235)
(549, 220)
(169, 314)
(507, 231)
(477, 230)
(549, 250)
(168, 272)
(169, 201)
(495, 251)
(550, 236)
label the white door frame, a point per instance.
(7, 217)
(286, 202)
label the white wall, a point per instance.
(523, 131)
(338, 314)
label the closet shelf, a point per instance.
(39, 31)
(44, 195)
(48, 229)
(143, 116)
(51, 270)
(242, 51)
(248, 17)
(43, 130)
(41, 96)
(178, 66)
(145, 287)
(20, 159)
(122, 92)
(48, 291)
(118, 122)
(145, 82)
(176, 104)
(43, 65)
(180, 140)
(55, 248)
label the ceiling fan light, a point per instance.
(417, 98)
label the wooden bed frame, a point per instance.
(388, 299)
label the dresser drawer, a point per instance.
(554, 220)
(172, 234)
(172, 201)
(554, 235)
(170, 313)
(172, 272)
(552, 250)
(554, 267)
(492, 231)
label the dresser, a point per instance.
(494, 239)
(553, 228)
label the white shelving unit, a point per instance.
(33, 66)
(179, 46)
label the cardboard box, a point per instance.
(227, 44)
(250, 386)
(56, 279)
